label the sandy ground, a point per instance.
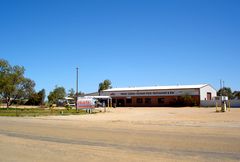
(126, 134)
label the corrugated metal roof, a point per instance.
(157, 88)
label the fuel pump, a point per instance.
(224, 100)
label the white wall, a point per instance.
(205, 90)
(235, 103)
(212, 103)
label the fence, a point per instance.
(212, 103)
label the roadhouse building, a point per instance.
(157, 96)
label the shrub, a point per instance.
(68, 107)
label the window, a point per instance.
(147, 100)
(139, 100)
(160, 100)
(128, 100)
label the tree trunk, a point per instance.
(8, 102)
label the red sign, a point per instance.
(85, 103)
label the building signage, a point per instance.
(154, 93)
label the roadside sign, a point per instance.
(85, 103)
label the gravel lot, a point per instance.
(124, 134)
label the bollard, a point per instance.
(229, 106)
(224, 107)
(216, 107)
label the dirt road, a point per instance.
(128, 134)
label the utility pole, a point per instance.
(220, 87)
(76, 87)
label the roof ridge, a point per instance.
(159, 87)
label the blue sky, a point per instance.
(130, 42)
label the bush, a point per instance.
(68, 107)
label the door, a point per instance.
(209, 96)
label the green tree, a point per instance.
(236, 94)
(42, 96)
(57, 93)
(106, 84)
(33, 100)
(81, 93)
(13, 84)
(37, 98)
(225, 91)
(71, 93)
